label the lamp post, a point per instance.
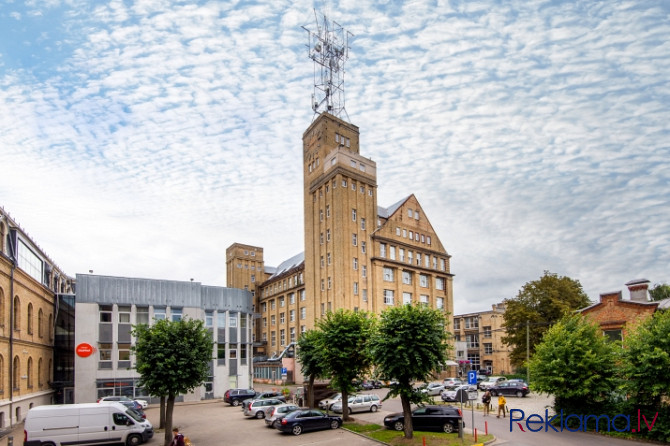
(527, 352)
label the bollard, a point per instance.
(486, 427)
(10, 441)
(424, 441)
(475, 435)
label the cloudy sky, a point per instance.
(142, 138)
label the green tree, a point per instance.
(660, 291)
(311, 360)
(646, 370)
(537, 306)
(577, 364)
(344, 351)
(172, 358)
(409, 345)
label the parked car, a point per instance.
(256, 408)
(449, 395)
(274, 414)
(491, 381)
(376, 384)
(517, 388)
(452, 383)
(304, 420)
(235, 397)
(359, 403)
(263, 395)
(325, 403)
(367, 385)
(432, 389)
(443, 418)
(120, 398)
(135, 407)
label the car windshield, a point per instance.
(134, 415)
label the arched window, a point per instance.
(16, 373)
(17, 313)
(30, 372)
(30, 318)
(2, 377)
(40, 323)
(40, 373)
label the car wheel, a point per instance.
(260, 414)
(519, 394)
(334, 424)
(134, 440)
(398, 425)
(235, 403)
(297, 429)
(373, 408)
(448, 428)
(276, 424)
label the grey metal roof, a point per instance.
(387, 212)
(289, 264)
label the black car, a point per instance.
(443, 418)
(517, 388)
(236, 396)
(304, 420)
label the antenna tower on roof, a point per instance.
(329, 49)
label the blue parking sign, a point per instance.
(472, 377)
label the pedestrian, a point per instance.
(178, 439)
(486, 399)
(501, 405)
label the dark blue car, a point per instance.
(305, 420)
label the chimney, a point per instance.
(638, 290)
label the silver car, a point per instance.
(274, 414)
(256, 408)
(327, 403)
(433, 389)
(360, 403)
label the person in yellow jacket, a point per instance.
(501, 405)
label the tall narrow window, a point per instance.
(17, 313)
(30, 318)
(40, 323)
(353, 215)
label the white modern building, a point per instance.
(106, 308)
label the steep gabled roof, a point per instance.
(387, 212)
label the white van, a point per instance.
(85, 424)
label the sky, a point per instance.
(142, 138)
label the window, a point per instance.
(428, 239)
(327, 235)
(487, 331)
(416, 215)
(439, 283)
(303, 313)
(282, 318)
(392, 252)
(265, 322)
(353, 186)
(457, 324)
(411, 235)
(363, 247)
(124, 356)
(320, 214)
(264, 307)
(428, 261)
(329, 259)
(105, 312)
(488, 349)
(442, 264)
(273, 338)
(30, 318)
(365, 295)
(356, 288)
(471, 322)
(401, 253)
(273, 320)
(322, 262)
(388, 274)
(330, 283)
(388, 297)
(354, 239)
(397, 231)
(409, 213)
(321, 238)
(175, 314)
(328, 211)
(302, 295)
(353, 163)
(362, 224)
(474, 360)
(423, 280)
(409, 257)
(291, 316)
(353, 215)
(323, 285)
(423, 299)
(292, 334)
(407, 277)
(439, 303)
(30, 372)
(613, 335)
(407, 298)
(159, 313)
(281, 302)
(291, 298)
(344, 183)
(404, 233)
(418, 259)
(272, 303)
(364, 270)
(105, 357)
(355, 264)
(423, 238)
(40, 323)
(472, 340)
(382, 250)
(253, 277)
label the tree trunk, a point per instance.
(345, 406)
(310, 392)
(407, 414)
(161, 423)
(168, 419)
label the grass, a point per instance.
(395, 438)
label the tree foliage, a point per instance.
(537, 306)
(311, 360)
(577, 364)
(660, 291)
(172, 358)
(646, 371)
(344, 351)
(409, 345)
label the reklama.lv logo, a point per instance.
(536, 423)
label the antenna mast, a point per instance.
(329, 49)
